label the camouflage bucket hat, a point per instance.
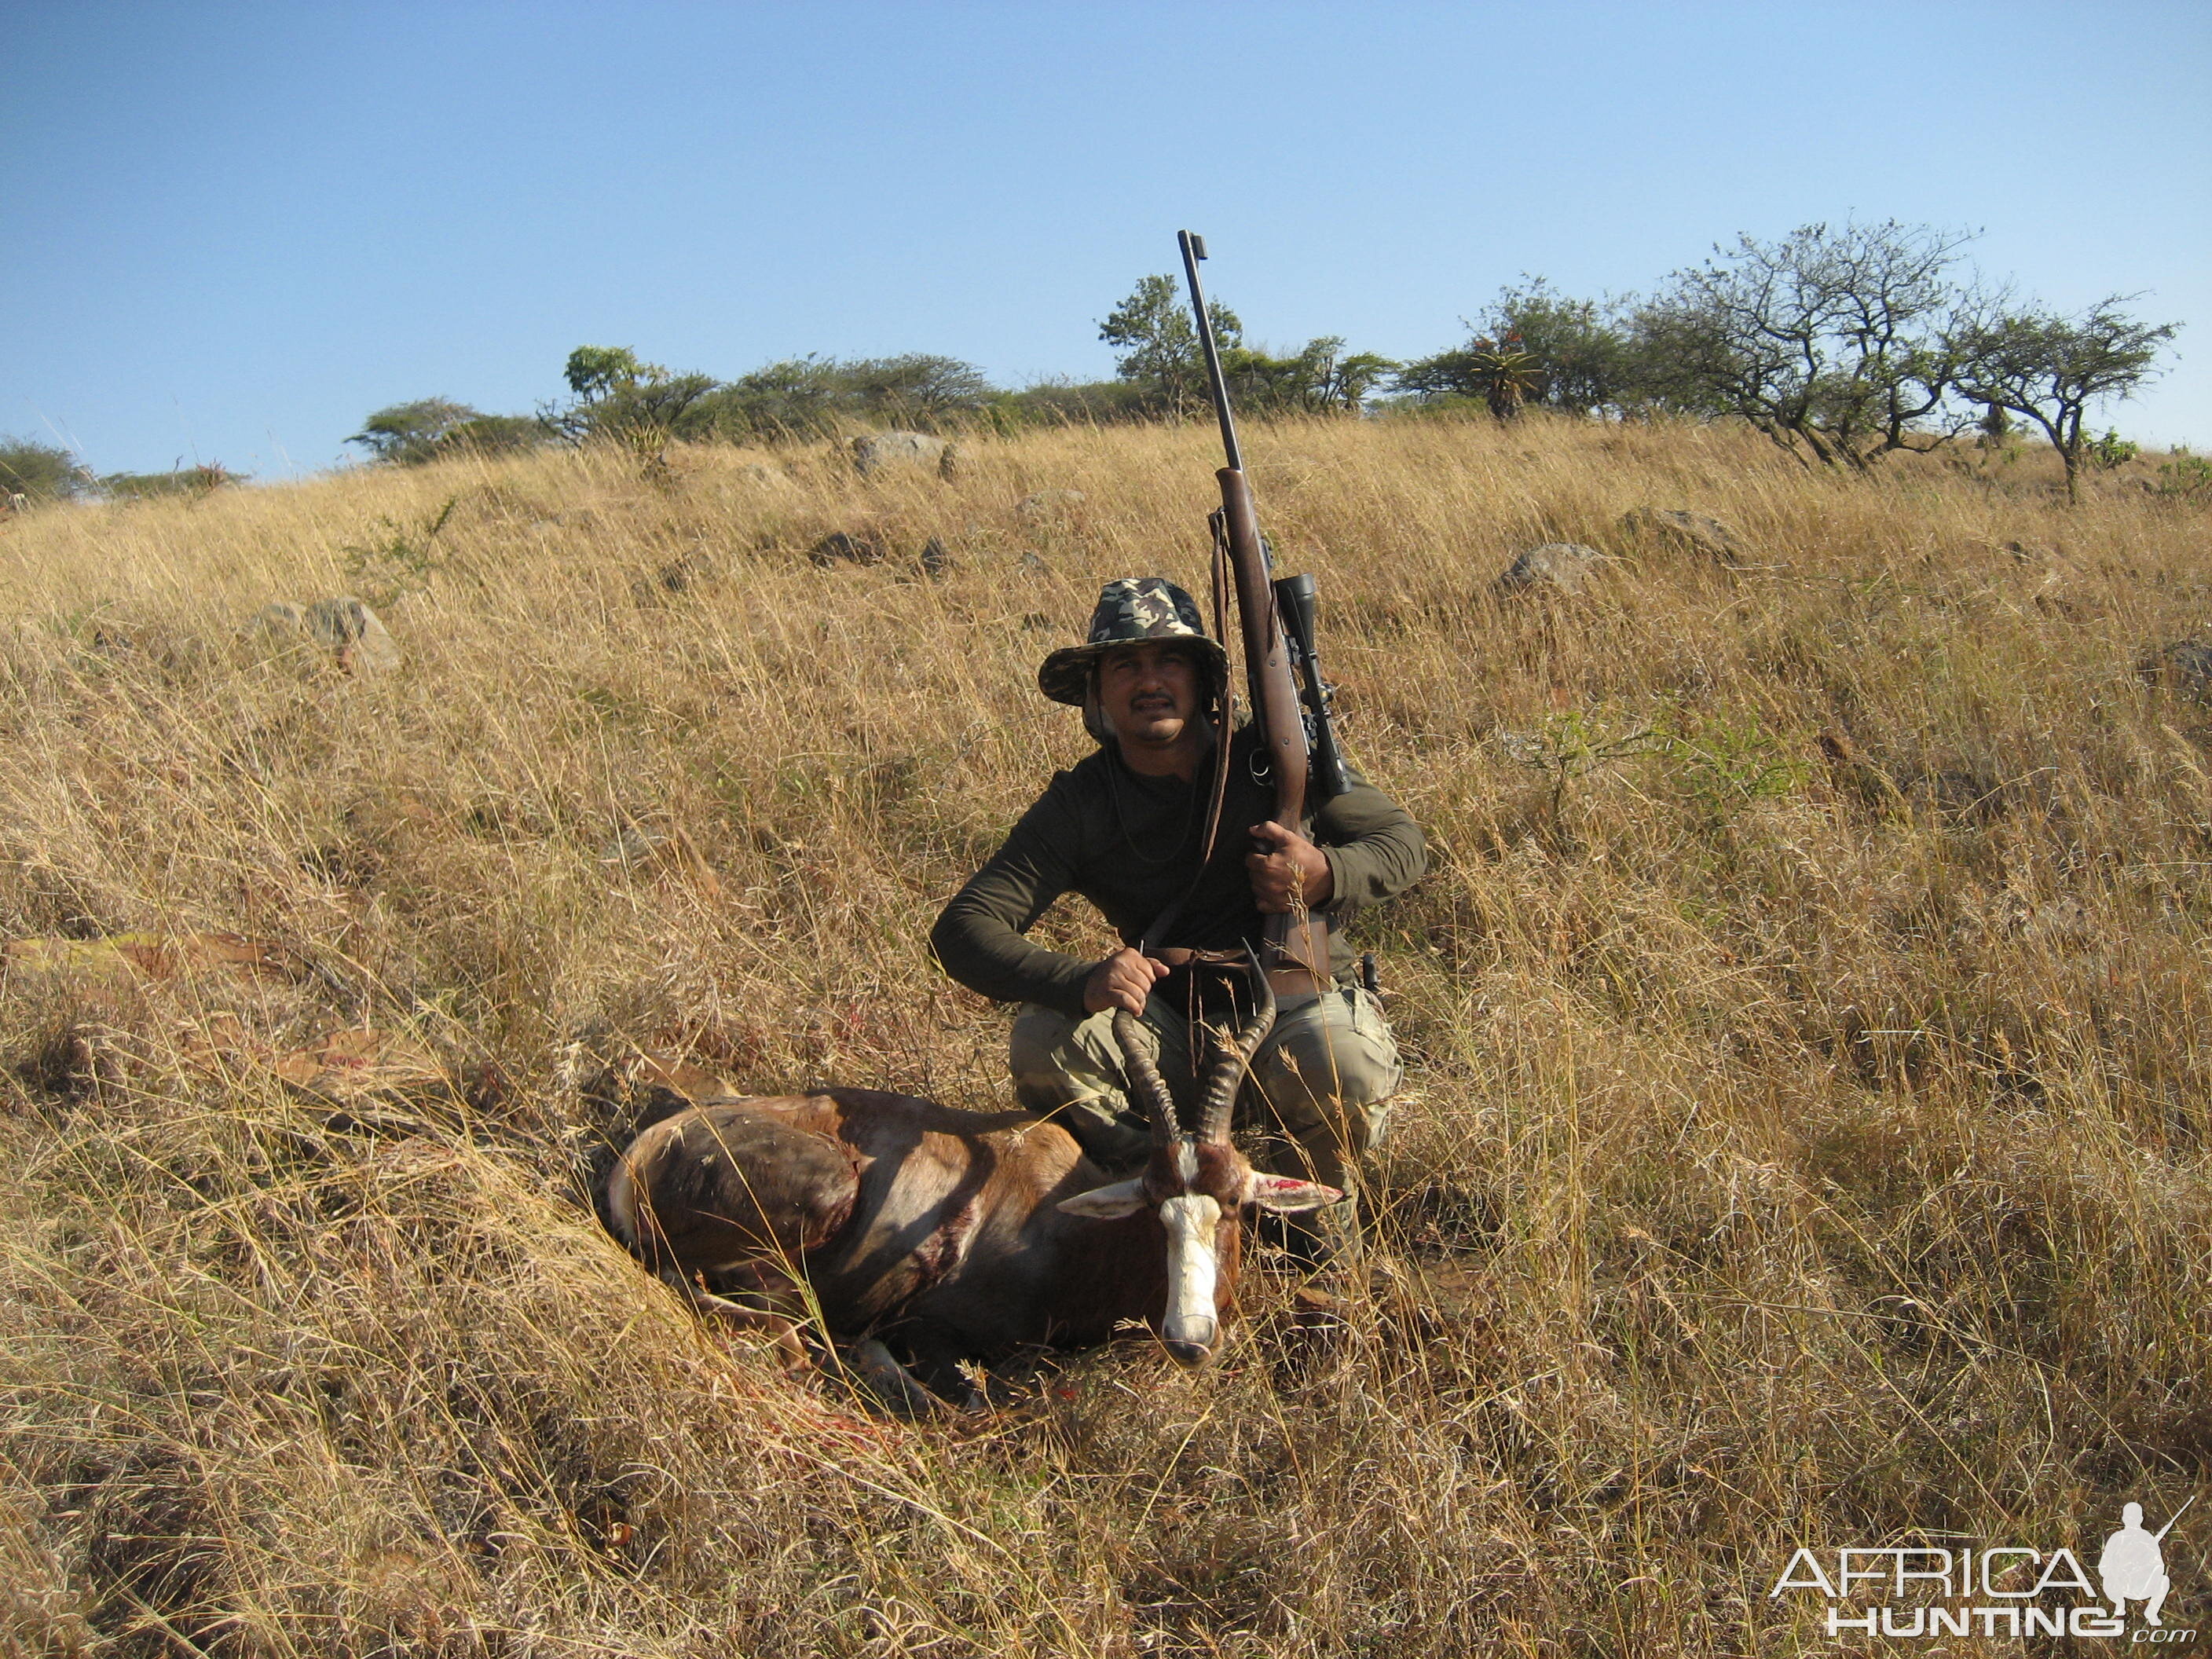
(1130, 611)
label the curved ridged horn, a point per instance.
(1140, 1061)
(1227, 1070)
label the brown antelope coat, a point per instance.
(951, 1234)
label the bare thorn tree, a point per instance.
(1834, 341)
(2049, 368)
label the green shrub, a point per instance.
(2186, 477)
(813, 397)
(494, 434)
(187, 481)
(433, 429)
(1068, 402)
(40, 472)
(2110, 451)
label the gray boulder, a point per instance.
(1563, 566)
(694, 569)
(2184, 668)
(1694, 530)
(353, 634)
(842, 547)
(878, 452)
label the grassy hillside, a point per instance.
(1809, 1010)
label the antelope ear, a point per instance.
(1281, 1193)
(1108, 1203)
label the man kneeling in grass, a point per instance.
(1125, 828)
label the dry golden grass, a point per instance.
(1804, 1145)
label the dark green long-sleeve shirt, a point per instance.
(1129, 843)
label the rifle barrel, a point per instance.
(1194, 250)
(2177, 1514)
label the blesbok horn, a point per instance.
(1141, 1057)
(1227, 1075)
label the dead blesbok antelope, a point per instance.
(950, 1235)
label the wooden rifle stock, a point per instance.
(1274, 694)
(1295, 945)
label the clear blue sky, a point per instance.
(228, 232)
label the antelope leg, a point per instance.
(781, 1329)
(936, 1361)
(890, 1382)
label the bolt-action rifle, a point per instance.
(2160, 1535)
(1289, 700)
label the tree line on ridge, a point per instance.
(1843, 344)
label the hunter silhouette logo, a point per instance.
(2133, 1567)
(2000, 1591)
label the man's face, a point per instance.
(1150, 692)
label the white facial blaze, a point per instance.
(1190, 1220)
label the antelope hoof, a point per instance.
(893, 1385)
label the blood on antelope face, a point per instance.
(1196, 1182)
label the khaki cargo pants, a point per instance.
(1317, 1092)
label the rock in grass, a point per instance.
(2184, 668)
(1563, 566)
(844, 547)
(681, 576)
(354, 633)
(877, 452)
(1694, 530)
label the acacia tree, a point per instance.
(619, 397)
(433, 428)
(915, 387)
(1320, 378)
(1534, 345)
(811, 396)
(408, 433)
(1836, 342)
(1160, 352)
(1156, 344)
(39, 472)
(2050, 368)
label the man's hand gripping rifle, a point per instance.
(1289, 700)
